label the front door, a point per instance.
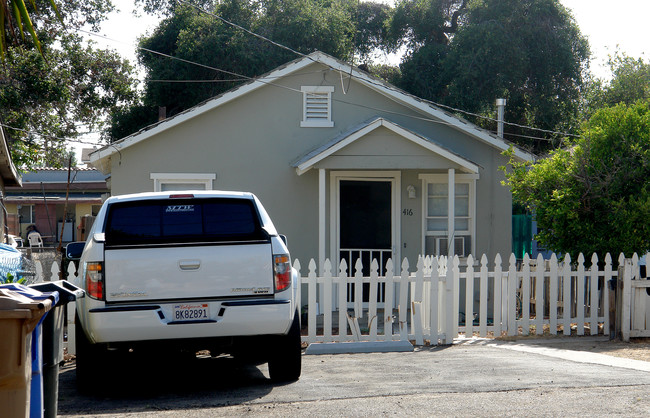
(365, 221)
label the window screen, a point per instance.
(182, 221)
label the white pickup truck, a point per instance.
(187, 271)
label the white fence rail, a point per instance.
(442, 298)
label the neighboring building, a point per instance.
(42, 202)
(346, 164)
(8, 178)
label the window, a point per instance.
(317, 107)
(182, 220)
(27, 214)
(436, 241)
(165, 182)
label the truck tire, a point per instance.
(85, 358)
(286, 355)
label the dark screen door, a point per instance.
(366, 223)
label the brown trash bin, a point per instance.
(19, 315)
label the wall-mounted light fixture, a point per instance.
(410, 190)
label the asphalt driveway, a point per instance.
(476, 378)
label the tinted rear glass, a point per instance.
(182, 221)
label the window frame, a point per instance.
(159, 179)
(32, 214)
(438, 236)
(318, 122)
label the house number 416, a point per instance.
(407, 212)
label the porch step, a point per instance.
(360, 347)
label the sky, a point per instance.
(608, 25)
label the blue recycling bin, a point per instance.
(36, 406)
(52, 327)
(21, 312)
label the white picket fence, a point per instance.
(443, 298)
(52, 275)
(424, 305)
(635, 309)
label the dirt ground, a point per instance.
(636, 349)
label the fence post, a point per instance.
(540, 303)
(54, 271)
(343, 299)
(512, 297)
(469, 298)
(626, 300)
(483, 297)
(609, 302)
(553, 284)
(434, 302)
(388, 301)
(311, 304)
(525, 296)
(403, 295)
(580, 295)
(593, 293)
(498, 297)
(327, 300)
(566, 295)
(372, 299)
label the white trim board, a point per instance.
(395, 177)
(308, 161)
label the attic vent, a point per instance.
(317, 107)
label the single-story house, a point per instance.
(347, 165)
(58, 211)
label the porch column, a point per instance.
(451, 200)
(321, 219)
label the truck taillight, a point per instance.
(95, 280)
(282, 269)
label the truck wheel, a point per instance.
(286, 355)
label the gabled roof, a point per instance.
(101, 157)
(341, 141)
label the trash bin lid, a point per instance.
(67, 291)
(33, 293)
(15, 305)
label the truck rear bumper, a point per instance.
(156, 322)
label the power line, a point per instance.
(351, 75)
(385, 85)
(48, 136)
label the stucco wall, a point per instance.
(250, 143)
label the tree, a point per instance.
(630, 83)
(62, 91)
(593, 196)
(465, 54)
(228, 55)
(16, 20)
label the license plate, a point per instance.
(191, 312)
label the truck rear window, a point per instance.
(182, 221)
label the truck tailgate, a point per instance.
(181, 272)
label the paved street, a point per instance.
(475, 378)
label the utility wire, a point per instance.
(47, 135)
(351, 75)
(385, 85)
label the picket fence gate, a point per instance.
(423, 306)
